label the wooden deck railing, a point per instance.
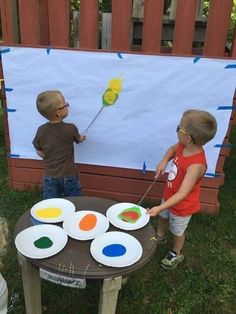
(49, 23)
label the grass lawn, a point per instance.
(204, 283)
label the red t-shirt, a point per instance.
(191, 203)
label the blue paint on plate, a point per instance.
(114, 250)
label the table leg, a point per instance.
(109, 294)
(32, 286)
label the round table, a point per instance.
(75, 260)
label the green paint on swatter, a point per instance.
(43, 243)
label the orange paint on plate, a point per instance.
(51, 212)
(88, 222)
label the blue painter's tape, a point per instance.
(5, 50)
(8, 89)
(144, 168)
(119, 55)
(13, 155)
(226, 108)
(48, 50)
(213, 175)
(9, 110)
(230, 66)
(223, 145)
(195, 60)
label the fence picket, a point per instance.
(184, 26)
(88, 24)
(217, 27)
(121, 24)
(43, 22)
(152, 25)
(106, 31)
(29, 22)
(58, 12)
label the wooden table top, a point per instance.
(75, 259)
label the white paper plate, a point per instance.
(52, 210)
(25, 240)
(114, 211)
(116, 249)
(95, 226)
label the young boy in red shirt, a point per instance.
(182, 190)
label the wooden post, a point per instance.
(109, 295)
(32, 286)
(137, 11)
(75, 27)
(106, 31)
(173, 7)
(200, 10)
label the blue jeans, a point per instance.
(61, 187)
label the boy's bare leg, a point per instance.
(162, 227)
(178, 243)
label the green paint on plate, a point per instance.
(130, 215)
(43, 243)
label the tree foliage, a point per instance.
(104, 5)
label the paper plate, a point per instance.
(41, 241)
(85, 224)
(136, 216)
(116, 249)
(52, 210)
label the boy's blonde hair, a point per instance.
(199, 124)
(3, 237)
(48, 102)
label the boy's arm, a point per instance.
(193, 173)
(40, 153)
(160, 169)
(78, 138)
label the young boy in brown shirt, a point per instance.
(54, 143)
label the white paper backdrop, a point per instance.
(141, 125)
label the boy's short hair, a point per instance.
(47, 103)
(200, 124)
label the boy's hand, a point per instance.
(82, 138)
(153, 211)
(160, 169)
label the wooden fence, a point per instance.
(50, 23)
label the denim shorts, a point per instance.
(61, 187)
